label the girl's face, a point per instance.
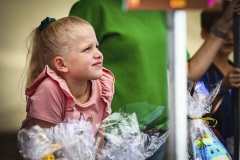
(84, 61)
(227, 46)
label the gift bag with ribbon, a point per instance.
(74, 140)
(153, 123)
(125, 141)
(202, 142)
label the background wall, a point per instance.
(17, 19)
(194, 40)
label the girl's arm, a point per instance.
(100, 137)
(231, 80)
(202, 59)
(43, 124)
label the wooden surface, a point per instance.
(166, 4)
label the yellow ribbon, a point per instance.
(206, 120)
(49, 157)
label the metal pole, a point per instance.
(236, 91)
(177, 85)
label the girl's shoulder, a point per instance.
(107, 87)
(108, 75)
(48, 80)
(40, 80)
(107, 82)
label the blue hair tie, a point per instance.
(46, 22)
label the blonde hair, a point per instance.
(54, 40)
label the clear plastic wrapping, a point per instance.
(75, 140)
(153, 140)
(34, 143)
(125, 141)
(202, 142)
(72, 141)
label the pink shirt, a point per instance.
(51, 100)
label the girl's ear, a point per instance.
(59, 64)
(204, 34)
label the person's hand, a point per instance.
(226, 20)
(237, 7)
(232, 79)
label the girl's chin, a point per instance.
(227, 51)
(97, 76)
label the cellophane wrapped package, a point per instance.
(65, 141)
(125, 141)
(75, 140)
(153, 124)
(202, 142)
(153, 140)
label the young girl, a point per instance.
(65, 76)
(221, 69)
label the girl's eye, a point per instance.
(87, 49)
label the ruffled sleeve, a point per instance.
(107, 83)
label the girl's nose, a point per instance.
(98, 54)
(229, 35)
